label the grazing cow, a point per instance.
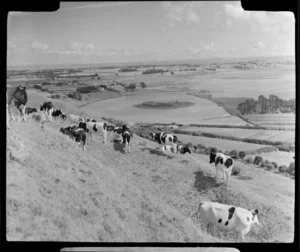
(95, 127)
(165, 139)
(83, 125)
(59, 113)
(126, 137)
(75, 133)
(76, 118)
(228, 217)
(90, 120)
(47, 108)
(29, 110)
(222, 162)
(19, 96)
(183, 149)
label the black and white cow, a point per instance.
(90, 120)
(47, 108)
(222, 162)
(228, 217)
(76, 133)
(164, 139)
(29, 110)
(96, 127)
(183, 149)
(18, 96)
(58, 113)
(126, 137)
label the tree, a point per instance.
(143, 84)
(263, 101)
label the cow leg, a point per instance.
(241, 236)
(10, 113)
(223, 174)
(23, 113)
(175, 149)
(104, 136)
(216, 171)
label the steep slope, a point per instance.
(57, 192)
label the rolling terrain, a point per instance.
(57, 192)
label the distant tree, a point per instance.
(143, 84)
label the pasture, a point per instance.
(271, 135)
(123, 108)
(219, 143)
(284, 120)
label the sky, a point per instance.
(102, 32)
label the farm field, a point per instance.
(203, 111)
(280, 157)
(219, 143)
(271, 135)
(285, 120)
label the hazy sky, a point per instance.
(99, 32)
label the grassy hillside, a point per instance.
(57, 192)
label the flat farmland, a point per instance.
(123, 108)
(274, 120)
(219, 143)
(271, 135)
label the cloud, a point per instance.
(181, 12)
(90, 6)
(39, 46)
(266, 21)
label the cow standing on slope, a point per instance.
(165, 139)
(228, 217)
(222, 162)
(17, 95)
(47, 108)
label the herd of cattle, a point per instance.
(226, 217)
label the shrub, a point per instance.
(270, 167)
(263, 163)
(57, 96)
(283, 168)
(242, 154)
(234, 154)
(37, 86)
(235, 170)
(292, 168)
(257, 160)
(249, 160)
(274, 164)
(87, 89)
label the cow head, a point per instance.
(212, 155)
(255, 217)
(153, 135)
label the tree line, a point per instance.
(263, 105)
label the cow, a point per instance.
(19, 96)
(96, 127)
(29, 110)
(47, 108)
(90, 120)
(76, 133)
(126, 137)
(75, 118)
(58, 113)
(183, 149)
(228, 217)
(164, 139)
(222, 162)
(83, 125)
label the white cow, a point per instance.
(75, 118)
(228, 217)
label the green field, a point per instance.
(285, 120)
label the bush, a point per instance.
(235, 170)
(57, 96)
(263, 164)
(283, 168)
(234, 154)
(242, 154)
(143, 84)
(249, 160)
(257, 160)
(270, 167)
(292, 168)
(87, 89)
(37, 86)
(274, 164)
